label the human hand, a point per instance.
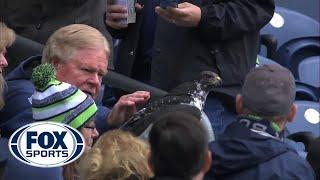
(186, 14)
(126, 107)
(116, 14)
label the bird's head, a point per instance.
(209, 80)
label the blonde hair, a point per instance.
(116, 155)
(65, 41)
(7, 37)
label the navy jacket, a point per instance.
(243, 154)
(16, 170)
(17, 111)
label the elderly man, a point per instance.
(79, 54)
(252, 146)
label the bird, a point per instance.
(189, 96)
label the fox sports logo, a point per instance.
(46, 144)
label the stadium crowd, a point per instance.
(166, 46)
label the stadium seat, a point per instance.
(309, 71)
(287, 25)
(293, 52)
(307, 118)
(306, 92)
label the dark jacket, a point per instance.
(226, 41)
(243, 154)
(17, 110)
(38, 19)
(128, 47)
(16, 170)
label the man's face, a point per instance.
(84, 70)
(3, 64)
(89, 133)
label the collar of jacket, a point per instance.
(261, 126)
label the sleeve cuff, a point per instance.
(101, 119)
(204, 16)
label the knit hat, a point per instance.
(59, 101)
(269, 90)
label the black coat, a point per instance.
(128, 47)
(38, 19)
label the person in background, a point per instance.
(179, 147)
(196, 36)
(64, 103)
(7, 161)
(37, 20)
(253, 147)
(116, 155)
(7, 37)
(136, 39)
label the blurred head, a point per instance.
(179, 146)
(268, 91)
(7, 37)
(116, 155)
(80, 55)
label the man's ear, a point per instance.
(293, 112)
(239, 104)
(207, 162)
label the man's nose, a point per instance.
(95, 79)
(95, 133)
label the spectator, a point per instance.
(252, 147)
(79, 54)
(7, 161)
(199, 35)
(7, 37)
(65, 104)
(38, 19)
(116, 155)
(135, 49)
(179, 147)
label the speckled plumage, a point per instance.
(192, 94)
